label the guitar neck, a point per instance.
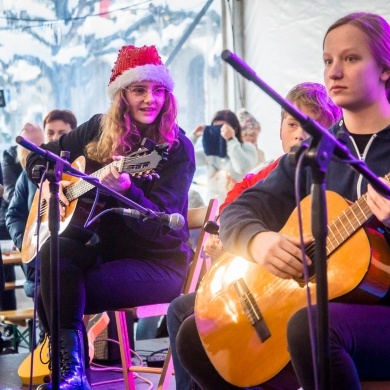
(348, 222)
(81, 187)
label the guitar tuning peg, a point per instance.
(156, 175)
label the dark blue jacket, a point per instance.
(19, 208)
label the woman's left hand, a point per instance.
(379, 205)
(110, 177)
(227, 131)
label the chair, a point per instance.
(385, 385)
(196, 219)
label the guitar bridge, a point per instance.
(251, 309)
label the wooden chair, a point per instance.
(196, 220)
(385, 385)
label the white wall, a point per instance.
(283, 45)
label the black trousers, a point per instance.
(89, 285)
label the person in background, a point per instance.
(11, 166)
(313, 100)
(138, 261)
(55, 124)
(356, 57)
(250, 130)
(226, 157)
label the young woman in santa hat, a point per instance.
(133, 262)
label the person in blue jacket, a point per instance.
(56, 123)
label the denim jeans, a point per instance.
(179, 309)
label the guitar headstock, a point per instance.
(145, 161)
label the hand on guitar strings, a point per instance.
(379, 205)
(63, 199)
(278, 253)
(110, 177)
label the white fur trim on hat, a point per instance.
(158, 73)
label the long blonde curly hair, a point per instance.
(119, 135)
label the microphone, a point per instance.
(174, 221)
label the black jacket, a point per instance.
(128, 237)
(269, 203)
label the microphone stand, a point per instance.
(55, 168)
(319, 154)
(54, 172)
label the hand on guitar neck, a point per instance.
(112, 178)
(63, 200)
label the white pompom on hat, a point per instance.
(135, 64)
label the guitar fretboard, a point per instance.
(79, 188)
(348, 222)
(140, 165)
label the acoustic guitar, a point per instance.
(242, 310)
(141, 163)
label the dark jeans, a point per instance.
(190, 359)
(180, 309)
(359, 345)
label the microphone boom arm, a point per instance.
(310, 126)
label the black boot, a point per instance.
(72, 374)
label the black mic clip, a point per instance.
(37, 172)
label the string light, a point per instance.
(44, 21)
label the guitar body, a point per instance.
(71, 226)
(96, 324)
(40, 370)
(358, 271)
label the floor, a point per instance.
(9, 364)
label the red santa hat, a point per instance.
(136, 64)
